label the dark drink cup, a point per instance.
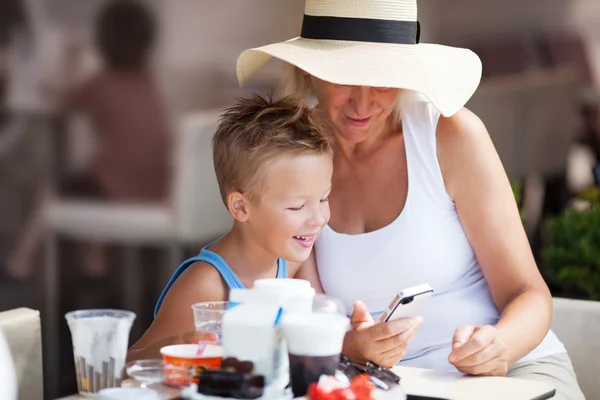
(314, 343)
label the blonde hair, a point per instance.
(257, 130)
(296, 83)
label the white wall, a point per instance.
(202, 39)
(464, 21)
(458, 20)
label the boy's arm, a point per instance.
(307, 270)
(174, 322)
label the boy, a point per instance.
(274, 167)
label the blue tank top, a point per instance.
(220, 265)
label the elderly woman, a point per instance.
(419, 196)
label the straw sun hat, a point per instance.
(372, 43)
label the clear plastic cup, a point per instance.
(208, 317)
(100, 340)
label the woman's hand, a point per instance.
(479, 350)
(382, 343)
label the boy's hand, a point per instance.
(382, 343)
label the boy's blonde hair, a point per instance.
(257, 130)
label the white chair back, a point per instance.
(200, 215)
(22, 330)
(577, 323)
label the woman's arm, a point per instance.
(175, 319)
(476, 180)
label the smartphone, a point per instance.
(407, 303)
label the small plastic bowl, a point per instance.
(146, 371)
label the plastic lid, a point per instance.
(290, 283)
(128, 394)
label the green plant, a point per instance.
(572, 253)
(517, 189)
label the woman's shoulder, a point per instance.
(462, 127)
(463, 145)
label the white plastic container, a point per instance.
(295, 295)
(250, 333)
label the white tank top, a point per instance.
(426, 243)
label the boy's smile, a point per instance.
(293, 208)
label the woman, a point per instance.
(419, 196)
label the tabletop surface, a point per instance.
(456, 386)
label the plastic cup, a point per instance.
(314, 343)
(100, 340)
(208, 317)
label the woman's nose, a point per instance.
(361, 100)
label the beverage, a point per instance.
(100, 339)
(314, 343)
(305, 370)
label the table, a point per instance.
(456, 386)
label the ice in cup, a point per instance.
(100, 340)
(314, 343)
(191, 359)
(208, 317)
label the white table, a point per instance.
(456, 386)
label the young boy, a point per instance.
(274, 166)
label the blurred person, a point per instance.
(126, 111)
(128, 118)
(273, 165)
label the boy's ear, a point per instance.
(238, 206)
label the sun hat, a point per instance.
(372, 43)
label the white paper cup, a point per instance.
(100, 340)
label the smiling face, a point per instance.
(292, 208)
(355, 113)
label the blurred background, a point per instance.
(83, 111)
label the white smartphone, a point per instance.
(407, 303)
